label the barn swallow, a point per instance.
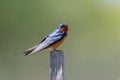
(52, 41)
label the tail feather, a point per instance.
(29, 50)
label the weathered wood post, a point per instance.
(57, 65)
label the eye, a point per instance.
(62, 30)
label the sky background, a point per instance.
(92, 48)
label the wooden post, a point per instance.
(57, 65)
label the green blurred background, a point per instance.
(92, 47)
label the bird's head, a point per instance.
(63, 27)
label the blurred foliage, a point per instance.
(92, 47)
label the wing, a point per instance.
(53, 39)
(28, 51)
(47, 43)
(42, 40)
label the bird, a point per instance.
(51, 41)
